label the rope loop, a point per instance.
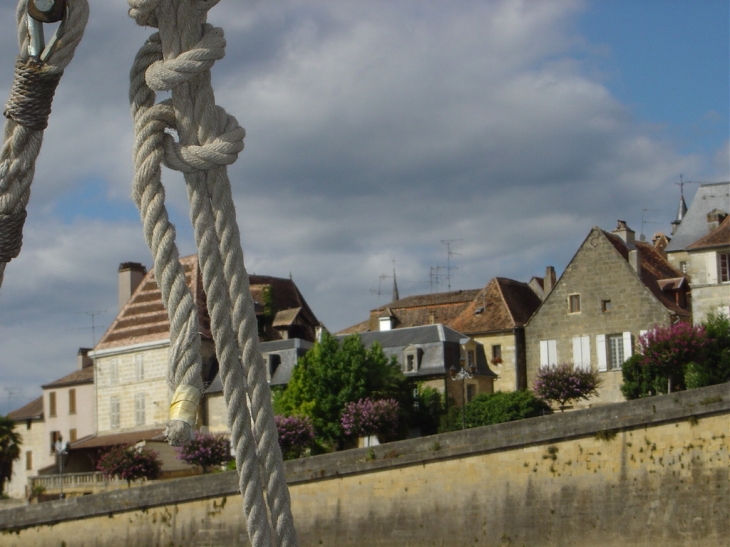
(32, 94)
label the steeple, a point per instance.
(395, 288)
(682, 207)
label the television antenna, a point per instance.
(449, 254)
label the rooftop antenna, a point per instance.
(449, 252)
(93, 314)
(11, 391)
(642, 237)
(435, 277)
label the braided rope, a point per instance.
(210, 139)
(27, 114)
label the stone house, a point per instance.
(34, 449)
(612, 290)
(700, 248)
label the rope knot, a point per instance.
(31, 97)
(218, 152)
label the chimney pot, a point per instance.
(82, 358)
(130, 276)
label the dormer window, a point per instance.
(412, 356)
(274, 362)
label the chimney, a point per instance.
(626, 234)
(635, 261)
(130, 276)
(82, 359)
(549, 281)
(714, 219)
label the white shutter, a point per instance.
(553, 352)
(582, 351)
(628, 350)
(641, 336)
(577, 352)
(711, 267)
(544, 359)
(601, 352)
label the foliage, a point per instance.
(10, 441)
(333, 374)
(564, 383)
(428, 410)
(713, 365)
(130, 463)
(296, 435)
(368, 417)
(495, 408)
(205, 450)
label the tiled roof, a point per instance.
(719, 237)
(654, 268)
(502, 305)
(285, 318)
(129, 437)
(34, 409)
(83, 376)
(144, 319)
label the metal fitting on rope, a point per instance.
(39, 12)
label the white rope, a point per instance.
(27, 113)
(178, 58)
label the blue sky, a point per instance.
(375, 130)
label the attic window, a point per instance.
(412, 359)
(274, 362)
(605, 305)
(574, 303)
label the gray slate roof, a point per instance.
(694, 224)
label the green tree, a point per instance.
(429, 409)
(130, 463)
(713, 366)
(333, 374)
(495, 408)
(10, 441)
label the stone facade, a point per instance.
(611, 306)
(35, 450)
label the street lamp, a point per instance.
(460, 373)
(61, 450)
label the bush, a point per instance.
(130, 463)
(206, 450)
(429, 410)
(564, 383)
(296, 435)
(495, 408)
(367, 417)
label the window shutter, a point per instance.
(553, 352)
(585, 342)
(577, 352)
(711, 259)
(628, 350)
(543, 352)
(601, 352)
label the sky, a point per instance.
(449, 142)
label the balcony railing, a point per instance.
(71, 481)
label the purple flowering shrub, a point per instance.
(296, 435)
(130, 463)
(367, 417)
(564, 383)
(205, 450)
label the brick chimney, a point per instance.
(82, 358)
(130, 276)
(549, 281)
(626, 234)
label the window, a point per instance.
(471, 360)
(139, 367)
(497, 352)
(683, 267)
(410, 363)
(574, 303)
(72, 401)
(72, 435)
(613, 350)
(29, 460)
(412, 358)
(139, 409)
(471, 392)
(605, 305)
(114, 412)
(55, 437)
(114, 371)
(548, 352)
(52, 403)
(723, 262)
(274, 362)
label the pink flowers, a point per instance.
(205, 450)
(564, 383)
(367, 417)
(130, 463)
(296, 435)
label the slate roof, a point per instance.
(719, 237)
(694, 223)
(83, 376)
(144, 319)
(129, 437)
(32, 410)
(502, 305)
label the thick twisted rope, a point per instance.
(27, 112)
(210, 139)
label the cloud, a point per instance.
(375, 131)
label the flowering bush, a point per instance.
(205, 450)
(564, 383)
(367, 417)
(295, 435)
(130, 463)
